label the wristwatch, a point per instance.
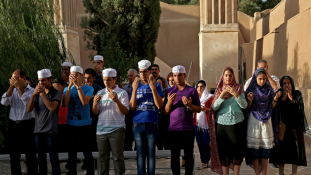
(78, 87)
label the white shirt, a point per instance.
(110, 118)
(272, 76)
(18, 110)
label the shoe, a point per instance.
(201, 166)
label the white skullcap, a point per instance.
(179, 69)
(144, 64)
(67, 64)
(76, 69)
(99, 57)
(109, 72)
(44, 73)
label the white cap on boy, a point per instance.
(44, 73)
(179, 69)
(144, 64)
(76, 69)
(109, 72)
(99, 57)
(67, 64)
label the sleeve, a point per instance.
(217, 104)
(276, 79)
(57, 97)
(196, 98)
(241, 101)
(89, 91)
(125, 100)
(159, 90)
(26, 96)
(6, 101)
(247, 82)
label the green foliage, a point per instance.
(181, 2)
(249, 7)
(122, 31)
(29, 41)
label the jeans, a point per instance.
(22, 140)
(182, 140)
(203, 140)
(48, 142)
(145, 135)
(80, 135)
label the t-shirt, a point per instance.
(79, 115)
(99, 81)
(181, 118)
(146, 110)
(46, 120)
(62, 115)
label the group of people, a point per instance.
(258, 123)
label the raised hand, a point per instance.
(97, 98)
(250, 96)
(289, 92)
(187, 102)
(43, 90)
(152, 82)
(171, 97)
(277, 96)
(73, 80)
(232, 91)
(88, 84)
(113, 96)
(224, 92)
(37, 90)
(202, 108)
(285, 93)
(135, 84)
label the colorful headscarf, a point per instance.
(215, 161)
(263, 98)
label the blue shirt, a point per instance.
(79, 115)
(146, 110)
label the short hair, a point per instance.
(22, 73)
(155, 65)
(201, 81)
(59, 81)
(32, 82)
(135, 72)
(90, 71)
(149, 68)
(163, 81)
(262, 61)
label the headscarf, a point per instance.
(215, 161)
(298, 97)
(167, 79)
(263, 98)
(201, 116)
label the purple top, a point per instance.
(181, 118)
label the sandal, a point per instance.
(201, 166)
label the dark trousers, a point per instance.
(22, 140)
(129, 136)
(80, 135)
(203, 140)
(47, 143)
(63, 138)
(163, 136)
(182, 140)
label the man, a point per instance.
(77, 97)
(146, 99)
(274, 81)
(46, 100)
(128, 141)
(66, 71)
(98, 67)
(181, 101)
(21, 123)
(155, 69)
(89, 78)
(112, 104)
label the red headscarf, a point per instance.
(215, 161)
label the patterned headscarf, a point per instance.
(215, 161)
(263, 98)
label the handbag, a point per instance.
(281, 128)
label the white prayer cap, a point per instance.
(67, 64)
(99, 57)
(44, 73)
(144, 64)
(76, 69)
(109, 72)
(179, 69)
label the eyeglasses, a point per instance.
(96, 62)
(143, 72)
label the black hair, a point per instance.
(59, 81)
(90, 71)
(201, 81)
(262, 61)
(22, 73)
(155, 65)
(149, 68)
(261, 72)
(32, 82)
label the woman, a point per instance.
(261, 135)
(201, 125)
(170, 80)
(226, 124)
(161, 81)
(290, 150)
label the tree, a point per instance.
(181, 2)
(30, 41)
(249, 7)
(123, 31)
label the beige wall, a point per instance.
(282, 37)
